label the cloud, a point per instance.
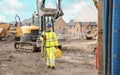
(10, 7)
(50, 4)
(2, 18)
(73, 9)
(87, 14)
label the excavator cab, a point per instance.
(35, 19)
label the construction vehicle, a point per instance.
(92, 33)
(7, 32)
(27, 37)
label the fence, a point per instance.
(71, 36)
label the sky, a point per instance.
(25, 8)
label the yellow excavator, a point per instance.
(7, 32)
(27, 37)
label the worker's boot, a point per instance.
(49, 66)
(53, 67)
(48, 63)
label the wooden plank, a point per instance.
(100, 39)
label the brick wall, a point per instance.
(60, 26)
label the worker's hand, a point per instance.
(42, 45)
(59, 46)
(56, 46)
(44, 37)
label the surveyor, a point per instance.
(49, 41)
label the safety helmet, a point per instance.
(49, 24)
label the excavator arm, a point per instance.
(48, 14)
(18, 21)
(42, 11)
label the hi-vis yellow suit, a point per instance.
(50, 41)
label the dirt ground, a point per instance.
(77, 59)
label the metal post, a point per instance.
(58, 3)
(52, 24)
(110, 37)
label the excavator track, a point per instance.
(26, 47)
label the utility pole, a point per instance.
(100, 39)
